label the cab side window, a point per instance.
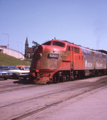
(71, 48)
(68, 48)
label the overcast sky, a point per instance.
(83, 22)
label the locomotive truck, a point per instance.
(59, 60)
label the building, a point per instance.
(2, 47)
(28, 50)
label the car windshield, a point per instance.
(47, 43)
(56, 43)
(26, 67)
(13, 68)
(4, 68)
(21, 68)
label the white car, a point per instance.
(18, 73)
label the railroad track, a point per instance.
(60, 97)
(9, 86)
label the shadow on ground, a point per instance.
(23, 81)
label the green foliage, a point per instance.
(11, 61)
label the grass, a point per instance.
(12, 61)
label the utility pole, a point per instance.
(21, 47)
(8, 38)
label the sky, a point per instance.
(83, 22)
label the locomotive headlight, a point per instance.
(40, 47)
(53, 55)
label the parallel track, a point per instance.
(9, 86)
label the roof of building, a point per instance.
(3, 46)
(26, 41)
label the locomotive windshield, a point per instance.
(47, 43)
(58, 43)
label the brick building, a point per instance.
(28, 50)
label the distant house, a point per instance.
(1, 48)
(28, 50)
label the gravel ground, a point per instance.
(88, 106)
(91, 106)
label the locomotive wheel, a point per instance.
(82, 75)
(31, 79)
(79, 75)
(96, 73)
(63, 78)
(54, 79)
(67, 78)
(72, 78)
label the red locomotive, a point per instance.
(57, 60)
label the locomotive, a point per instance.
(59, 60)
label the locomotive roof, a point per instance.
(85, 48)
(92, 50)
(64, 41)
(103, 51)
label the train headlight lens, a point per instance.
(40, 47)
(53, 55)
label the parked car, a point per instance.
(15, 70)
(24, 74)
(10, 74)
(6, 72)
(19, 73)
(23, 67)
(4, 67)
